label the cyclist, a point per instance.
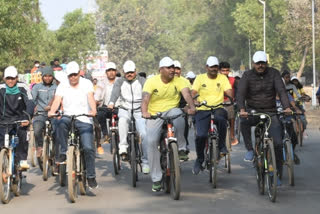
(43, 94)
(77, 98)
(258, 88)
(224, 68)
(129, 89)
(211, 87)
(191, 77)
(15, 99)
(161, 93)
(102, 96)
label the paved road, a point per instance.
(236, 192)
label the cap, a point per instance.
(47, 71)
(129, 66)
(111, 65)
(10, 71)
(43, 63)
(190, 75)
(61, 76)
(294, 78)
(72, 68)
(212, 61)
(177, 64)
(166, 62)
(259, 56)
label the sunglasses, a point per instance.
(10, 78)
(72, 75)
(130, 72)
(260, 63)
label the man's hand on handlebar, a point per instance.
(146, 115)
(25, 123)
(243, 113)
(111, 106)
(288, 111)
(92, 113)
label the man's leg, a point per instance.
(141, 128)
(246, 124)
(102, 118)
(62, 134)
(220, 117)
(123, 125)
(39, 125)
(22, 148)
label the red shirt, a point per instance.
(231, 80)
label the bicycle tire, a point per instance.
(72, 174)
(62, 174)
(5, 184)
(298, 131)
(32, 149)
(116, 156)
(271, 175)
(301, 132)
(45, 159)
(214, 162)
(133, 161)
(175, 186)
(228, 155)
(83, 176)
(289, 161)
(16, 184)
(259, 165)
(238, 128)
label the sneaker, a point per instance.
(197, 167)
(106, 139)
(123, 153)
(92, 183)
(156, 186)
(183, 155)
(24, 164)
(39, 152)
(223, 151)
(145, 169)
(56, 170)
(249, 156)
(62, 159)
(100, 150)
(296, 159)
(234, 142)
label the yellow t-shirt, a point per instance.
(186, 81)
(211, 90)
(163, 96)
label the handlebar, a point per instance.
(159, 115)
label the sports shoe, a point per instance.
(123, 153)
(197, 167)
(24, 164)
(145, 169)
(183, 155)
(62, 159)
(296, 159)
(249, 156)
(100, 150)
(234, 142)
(92, 183)
(156, 186)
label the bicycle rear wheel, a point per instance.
(5, 178)
(133, 161)
(237, 127)
(16, 183)
(174, 171)
(72, 174)
(298, 129)
(259, 165)
(32, 149)
(83, 176)
(115, 152)
(45, 158)
(271, 174)
(228, 155)
(214, 162)
(289, 161)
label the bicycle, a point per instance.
(10, 174)
(75, 162)
(212, 146)
(32, 151)
(169, 157)
(288, 153)
(264, 157)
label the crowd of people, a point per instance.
(262, 88)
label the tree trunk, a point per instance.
(299, 74)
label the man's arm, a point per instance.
(229, 93)
(55, 105)
(281, 91)
(187, 97)
(144, 104)
(116, 90)
(241, 95)
(92, 104)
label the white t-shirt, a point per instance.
(75, 100)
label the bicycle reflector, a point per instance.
(170, 131)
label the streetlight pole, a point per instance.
(314, 102)
(264, 24)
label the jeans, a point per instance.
(203, 124)
(275, 131)
(39, 125)
(85, 131)
(22, 147)
(102, 118)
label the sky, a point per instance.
(54, 10)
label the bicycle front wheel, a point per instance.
(259, 165)
(174, 171)
(289, 161)
(214, 162)
(115, 153)
(133, 161)
(72, 173)
(228, 155)
(32, 149)
(45, 159)
(271, 174)
(83, 176)
(5, 178)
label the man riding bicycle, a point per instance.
(129, 89)
(257, 91)
(211, 87)
(161, 93)
(43, 94)
(77, 98)
(15, 100)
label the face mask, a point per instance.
(37, 65)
